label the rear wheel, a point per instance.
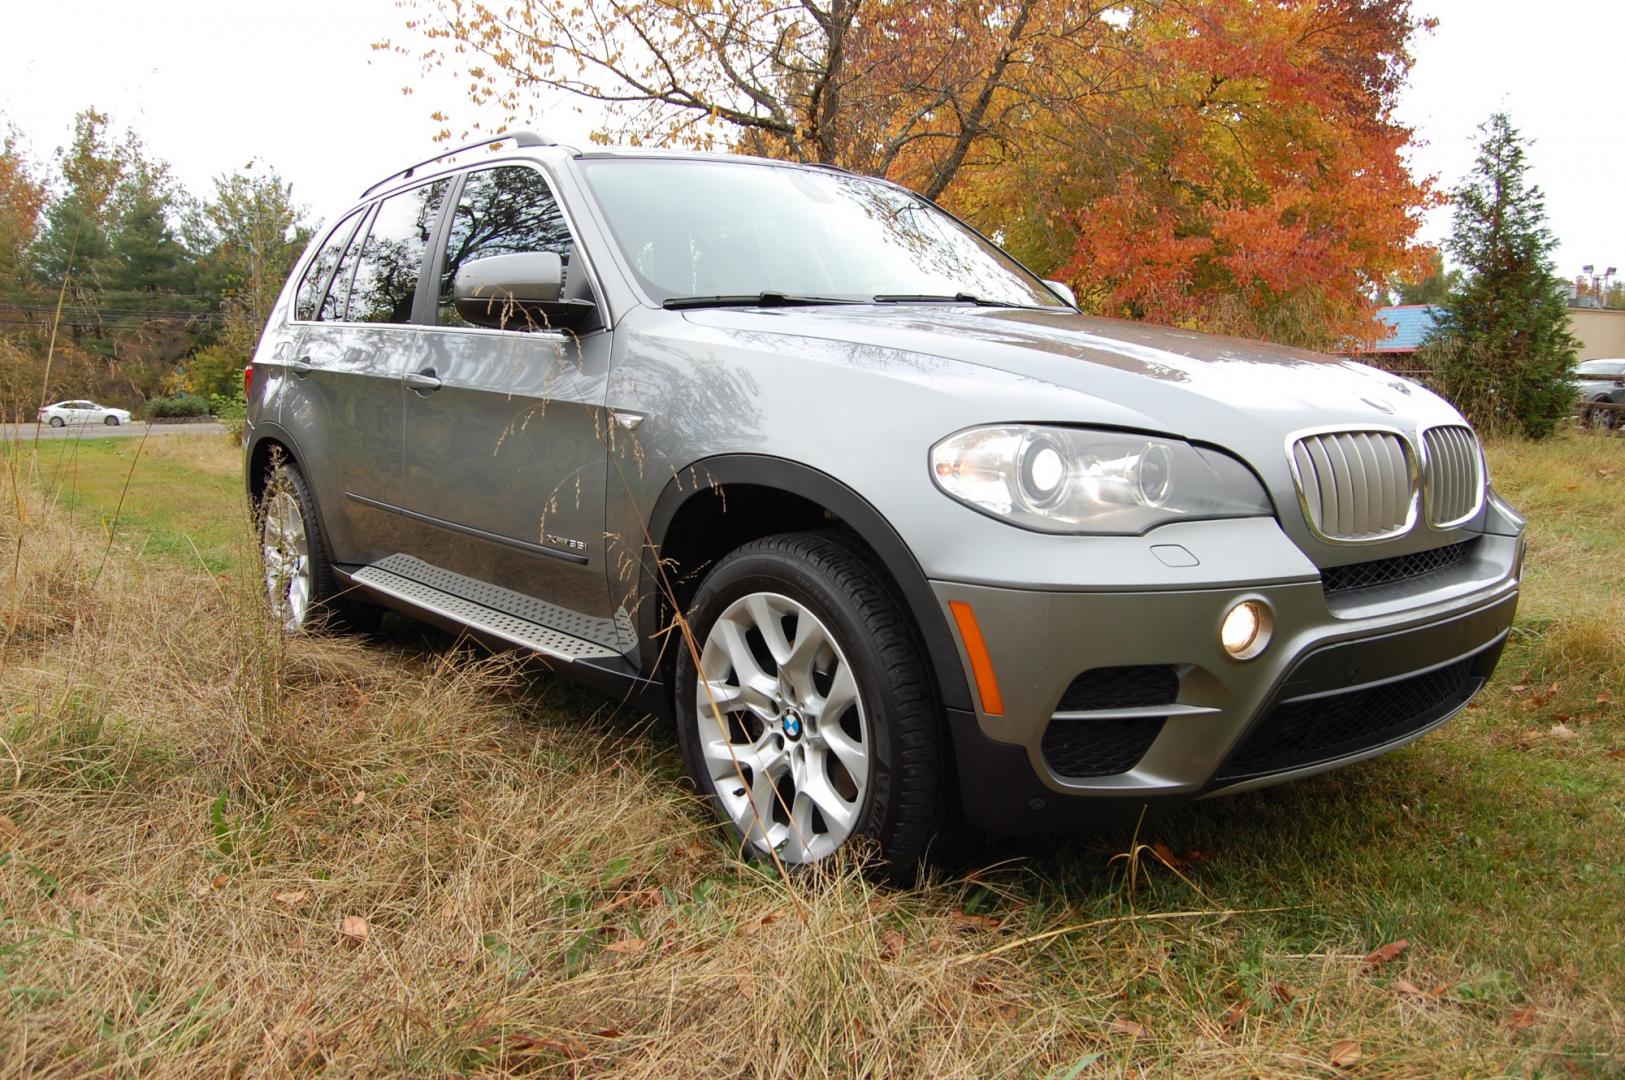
(111, 421)
(300, 584)
(57, 421)
(810, 722)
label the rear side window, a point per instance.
(502, 211)
(392, 257)
(314, 286)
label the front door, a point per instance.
(503, 455)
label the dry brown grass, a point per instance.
(193, 807)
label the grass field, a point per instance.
(224, 852)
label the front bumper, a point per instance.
(1344, 678)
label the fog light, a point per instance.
(1245, 630)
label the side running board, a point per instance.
(510, 625)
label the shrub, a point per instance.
(177, 405)
(231, 409)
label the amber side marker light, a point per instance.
(981, 665)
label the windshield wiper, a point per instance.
(943, 298)
(761, 299)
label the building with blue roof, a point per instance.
(1408, 326)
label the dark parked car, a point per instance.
(944, 544)
(1602, 383)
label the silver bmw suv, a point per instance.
(893, 534)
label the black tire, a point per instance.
(57, 421)
(110, 421)
(911, 800)
(331, 605)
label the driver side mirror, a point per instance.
(523, 291)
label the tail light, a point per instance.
(248, 381)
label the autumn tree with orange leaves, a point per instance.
(1223, 164)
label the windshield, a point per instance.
(723, 229)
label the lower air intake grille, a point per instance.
(1365, 575)
(1299, 733)
(1121, 688)
(1083, 747)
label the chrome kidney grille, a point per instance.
(1454, 474)
(1356, 486)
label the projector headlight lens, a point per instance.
(1077, 480)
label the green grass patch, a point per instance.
(175, 496)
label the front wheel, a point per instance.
(810, 722)
(111, 421)
(57, 421)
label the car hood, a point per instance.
(1201, 386)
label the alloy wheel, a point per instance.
(286, 552)
(782, 730)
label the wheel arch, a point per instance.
(719, 503)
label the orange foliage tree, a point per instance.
(1229, 164)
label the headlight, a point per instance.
(1074, 480)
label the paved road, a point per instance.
(25, 432)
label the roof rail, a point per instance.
(519, 138)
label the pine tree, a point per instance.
(1502, 345)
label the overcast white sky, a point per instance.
(210, 84)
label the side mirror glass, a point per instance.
(1063, 290)
(522, 291)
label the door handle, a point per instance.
(423, 381)
(301, 367)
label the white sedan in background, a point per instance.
(64, 413)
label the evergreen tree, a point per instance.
(1502, 345)
(146, 256)
(74, 244)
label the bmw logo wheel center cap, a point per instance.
(791, 724)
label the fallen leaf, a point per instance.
(1563, 732)
(1521, 1018)
(220, 881)
(358, 798)
(977, 922)
(355, 930)
(891, 945)
(292, 898)
(746, 983)
(1232, 1019)
(984, 986)
(609, 1033)
(1345, 1053)
(626, 945)
(1380, 956)
(747, 929)
(1520, 688)
(1604, 698)
(1165, 855)
(85, 901)
(1126, 1027)
(8, 831)
(1283, 993)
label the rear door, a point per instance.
(344, 403)
(504, 457)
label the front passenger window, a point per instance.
(503, 211)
